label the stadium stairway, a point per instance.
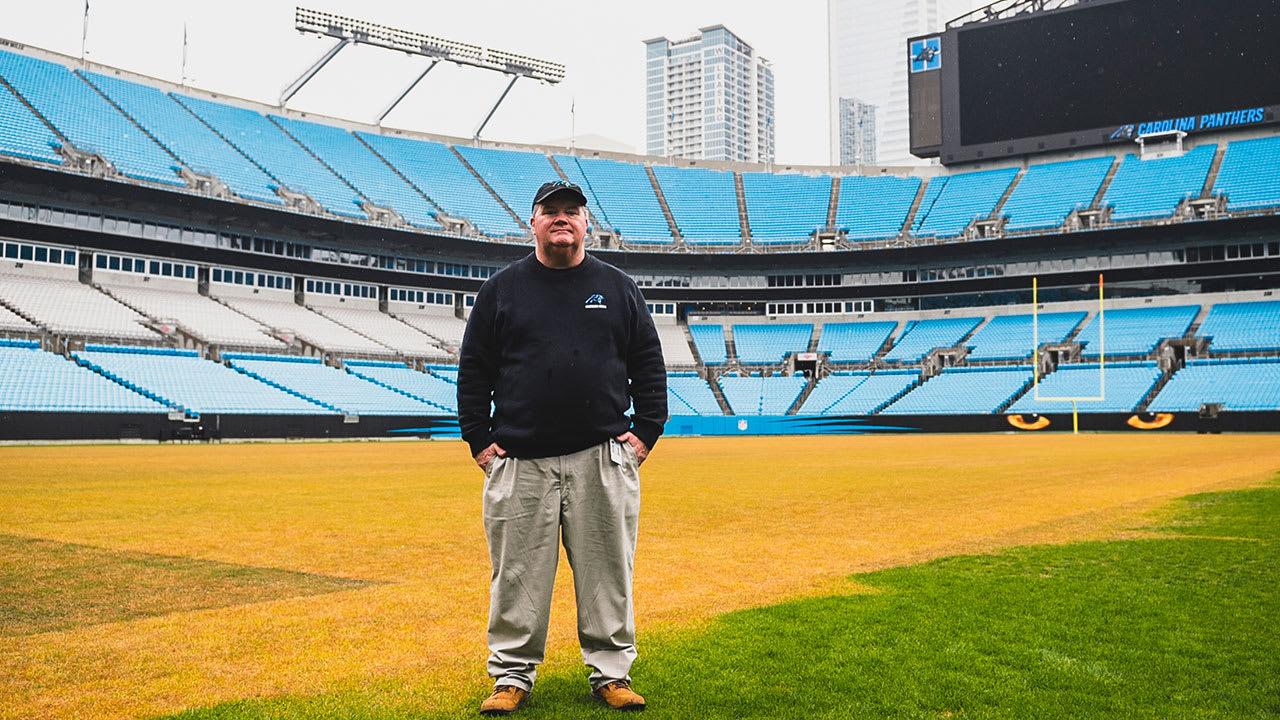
(833, 206)
(485, 184)
(803, 396)
(999, 208)
(1211, 178)
(742, 207)
(666, 209)
(1147, 399)
(910, 221)
(88, 365)
(920, 380)
(227, 357)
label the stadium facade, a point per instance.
(177, 264)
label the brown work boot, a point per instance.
(619, 696)
(505, 700)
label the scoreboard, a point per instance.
(1093, 73)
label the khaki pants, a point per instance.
(591, 500)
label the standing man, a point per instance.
(561, 344)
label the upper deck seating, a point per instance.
(1250, 174)
(785, 208)
(621, 197)
(348, 393)
(184, 135)
(856, 393)
(1122, 388)
(1011, 337)
(312, 327)
(855, 341)
(689, 394)
(963, 198)
(757, 395)
(354, 162)
(703, 202)
(70, 308)
(24, 135)
(421, 385)
(1143, 189)
(437, 173)
(1135, 331)
(1237, 384)
(206, 319)
(32, 380)
(768, 343)
(962, 391)
(709, 340)
(514, 175)
(186, 381)
(278, 154)
(1048, 193)
(86, 118)
(874, 208)
(1245, 326)
(921, 337)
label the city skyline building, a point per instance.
(857, 132)
(708, 97)
(867, 51)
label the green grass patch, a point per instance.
(1183, 626)
(47, 586)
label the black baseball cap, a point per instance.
(559, 186)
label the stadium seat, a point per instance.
(621, 197)
(854, 342)
(703, 202)
(960, 391)
(1250, 174)
(1117, 387)
(921, 337)
(784, 208)
(768, 343)
(1048, 193)
(874, 208)
(1146, 189)
(1242, 327)
(1135, 331)
(1245, 384)
(962, 199)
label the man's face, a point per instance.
(560, 226)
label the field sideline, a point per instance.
(143, 580)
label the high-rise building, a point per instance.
(867, 45)
(857, 132)
(709, 97)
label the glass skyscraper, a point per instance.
(857, 132)
(708, 97)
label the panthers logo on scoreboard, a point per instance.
(926, 54)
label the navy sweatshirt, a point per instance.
(561, 354)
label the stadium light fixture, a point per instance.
(352, 31)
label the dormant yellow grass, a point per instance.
(725, 524)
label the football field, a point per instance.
(351, 579)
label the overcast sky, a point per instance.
(249, 48)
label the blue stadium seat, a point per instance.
(1047, 194)
(25, 135)
(962, 391)
(86, 118)
(709, 340)
(1011, 337)
(689, 394)
(621, 197)
(1237, 384)
(419, 385)
(921, 337)
(874, 208)
(194, 384)
(703, 202)
(1246, 326)
(1145, 189)
(857, 393)
(1120, 385)
(514, 175)
(354, 162)
(32, 380)
(331, 387)
(757, 395)
(1250, 174)
(1135, 331)
(854, 342)
(783, 208)
(184, 135)
(278, 154)
(962, 199)
(437, 173)
(770, 343)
